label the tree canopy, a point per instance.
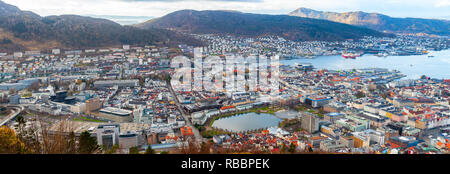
(87, 143)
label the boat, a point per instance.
(349, 55)
(430, 56)
(382, 54)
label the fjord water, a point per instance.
(247, 122)
(412, 66)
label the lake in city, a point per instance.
(247, 122)
(412, 66)
(287, 114)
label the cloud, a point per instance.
(192, 0)
(443, 3)
(396, 8)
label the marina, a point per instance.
(418, 65)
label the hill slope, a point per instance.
(22, 30)
(246, 24)
(380, 22)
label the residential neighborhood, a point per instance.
(124, 98)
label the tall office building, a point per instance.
(310, 122)
(93, 104)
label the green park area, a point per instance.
(4, 111)
(87, 119)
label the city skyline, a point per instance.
(221, 82)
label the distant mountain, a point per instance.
(23, 30)
(124, 20)
(380, 22)
(246, 24)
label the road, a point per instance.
(15, 111)
(197, 135)
(291, 86)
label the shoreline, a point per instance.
(369, 54)
(413, 66)
(263, 110)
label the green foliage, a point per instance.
(134, 150)
(74, 31)
(301, 108)
(87, 119)
(287, 123)
(5, 41)
(360, 94)
(20, 119)
(245, 24)
(87, 143)
(169, 78)
(27, 95)
(292, 148)
(149, 150)
(199, 127)
(111, 150)
(283, 148)
(211, 133)
(320, 115)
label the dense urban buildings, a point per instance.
(123, 98)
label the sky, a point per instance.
(156, 8)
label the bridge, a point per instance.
(15, 112)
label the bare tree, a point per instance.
(12, 91)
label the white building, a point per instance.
(108, 135)
(56, 51)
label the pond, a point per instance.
(247, 122)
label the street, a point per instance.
(197, 135)
(15, 111)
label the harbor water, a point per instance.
(435, 64)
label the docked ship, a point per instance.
(382, 54)
(350, 55)
(304, 66)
